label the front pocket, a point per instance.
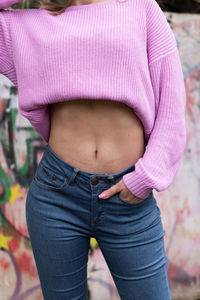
(128, 203)
(49, 177)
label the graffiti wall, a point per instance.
(21, 149)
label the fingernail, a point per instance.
(102, 195)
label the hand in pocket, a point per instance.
(125, 194)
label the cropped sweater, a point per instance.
(122, 51)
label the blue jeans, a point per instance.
(63, 211)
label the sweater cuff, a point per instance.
(136, 185)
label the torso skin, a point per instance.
(99, 136)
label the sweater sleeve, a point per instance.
(157, 168)
(7, 66)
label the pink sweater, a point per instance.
(122, 51)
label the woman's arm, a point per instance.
(162, 157)
(6, 58)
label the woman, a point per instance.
(102, 84)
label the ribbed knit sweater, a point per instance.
(122, 51)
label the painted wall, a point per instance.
(21, 149)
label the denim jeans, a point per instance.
(63, 211)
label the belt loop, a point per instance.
(111, 177)
(75, 172)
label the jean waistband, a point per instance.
(52, 157)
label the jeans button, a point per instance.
(95, 181)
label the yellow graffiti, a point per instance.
(15, 194)
(93, 243)
(4, 241)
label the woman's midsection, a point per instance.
(99, 136)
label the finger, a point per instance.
(111, 191)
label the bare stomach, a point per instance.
(98, 136)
